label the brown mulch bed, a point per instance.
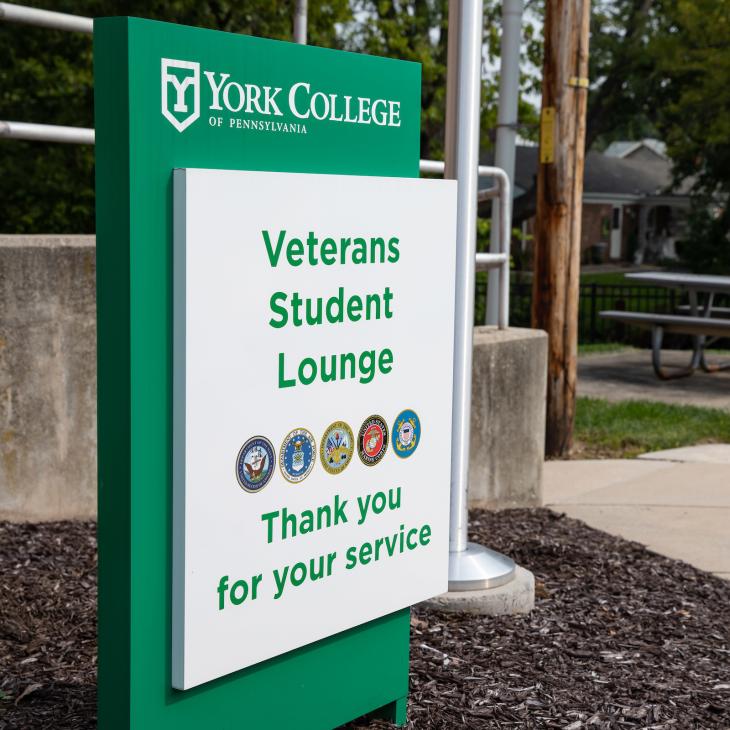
(620, 637)
(48, 625)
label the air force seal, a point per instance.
(406, 433)
(336, 448)
(372, 440)
(255, 464)
(297, 455)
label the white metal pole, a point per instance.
(509, 85)
(471, 566)
(300, 22)
(45, 18)
(467, 160)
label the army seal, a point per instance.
(336, 447)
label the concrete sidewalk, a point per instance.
(676, 502)
(628, 375)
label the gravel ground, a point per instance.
(620, 637)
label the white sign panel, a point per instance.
(312, 408)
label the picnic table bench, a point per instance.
(709, 322)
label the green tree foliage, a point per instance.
(691, 51)
(413, 31)
(46, 77)
(620, 69)
(706, 248)
(417, 30)
(660, 68)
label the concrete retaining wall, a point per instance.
(47, 377)
(48, 390)
(507, 418)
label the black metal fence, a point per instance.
(594, 298)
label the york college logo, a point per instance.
(246, 103)
(180, 92)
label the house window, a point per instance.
(616, 219)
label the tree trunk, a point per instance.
(559, 203)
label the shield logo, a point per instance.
(180, 92)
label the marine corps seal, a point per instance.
(372, 440)
(406, 433)
(297, 455)
(336, 447)
(255, 464)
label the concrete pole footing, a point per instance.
(515, 597)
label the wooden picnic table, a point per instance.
(702, 323)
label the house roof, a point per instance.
(627, 148)
(603, 175)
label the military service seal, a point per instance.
(372, 440)
(297, 455)
(255, 464)
(406, 433)
(336, 447)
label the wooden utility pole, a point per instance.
(559, 205)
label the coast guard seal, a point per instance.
(372, 440)
(255, 464)
(406, 433)
(297, 455)
(336, 447)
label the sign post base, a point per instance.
(478, 568)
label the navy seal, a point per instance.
(255, 464)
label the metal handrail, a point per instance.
(486, 261)
(55, 21)
(45, 18)
(46, 133)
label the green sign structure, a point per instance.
(175, 97)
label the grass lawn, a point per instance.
(597, 277)
(608, 277)
(626, 429)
